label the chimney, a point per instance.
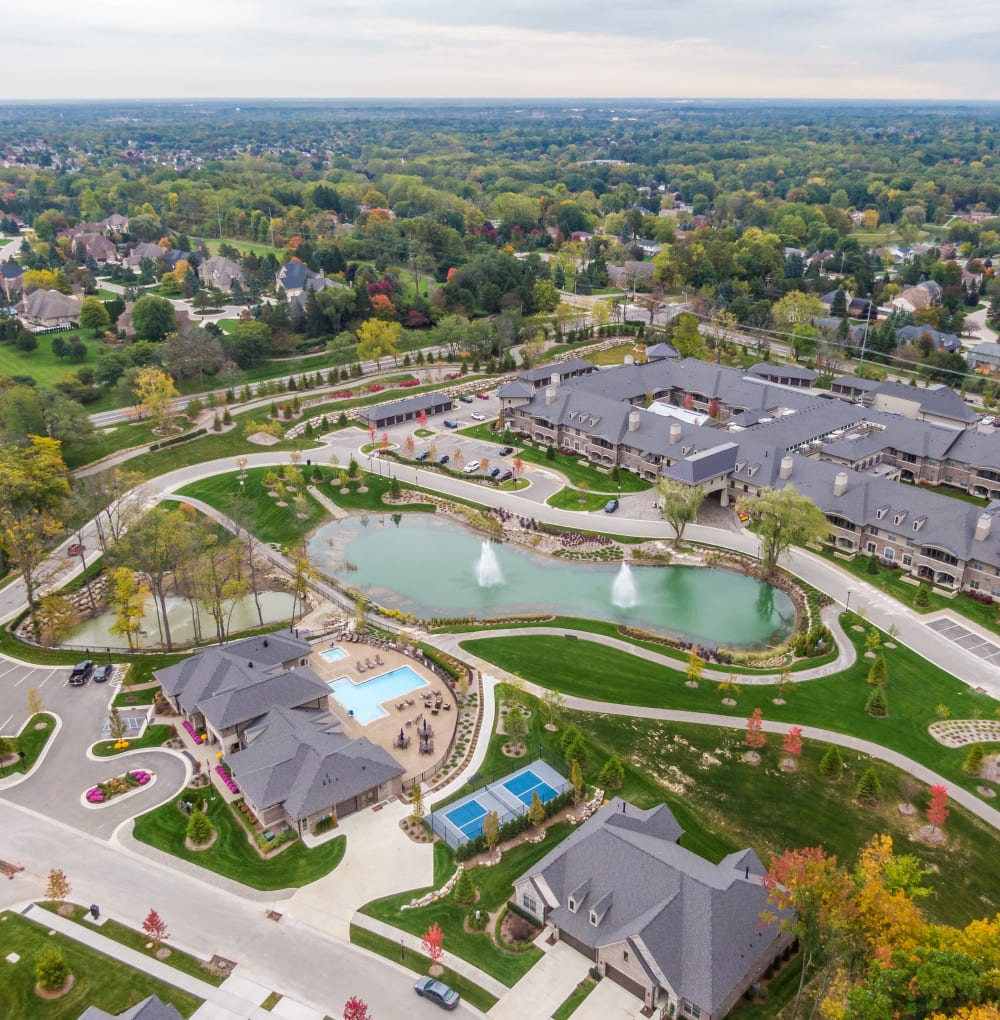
(633, 421)
(983, 527)
(785, 471)
(554, 379)
(840, 483)
(550, 394)
(675, 434)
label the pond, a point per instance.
(431, 566)
(275, 605)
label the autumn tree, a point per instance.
(679, 504)
(491, 831)
(783, 517)
(57, 888)
(154, 390)
(695, 665)
(793, 742)
(33, 505)
(937, 812)
(128, 598)
(432, 942)
(973, 765)
(416, 804)
(755, 738)
(378, 339)
(536, 810)
(356, 1009)
(155, 928)
(117, 728)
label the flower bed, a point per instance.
(227, 779)
(194, 734)
(118, 785)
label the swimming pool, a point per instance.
(333, 654)
(363, 700)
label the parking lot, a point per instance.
(16, 679)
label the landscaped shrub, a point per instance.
(871, 567)
(922, 599)
(199, 828)
(832, 763)
(477, 920)
(974, 760)
(869, 789)
(877, 704)
(51, 970)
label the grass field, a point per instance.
(100, 980)
(41, 364)
(232, 855)
(568, 498)
(579, 473)
(31, 741)
(916, 688)
(243, 247)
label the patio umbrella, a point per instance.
(401, 737)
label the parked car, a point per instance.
(482, 396)
(104, 673)
(472, 467)
(450, 423)
(568, 452)
(478, 416)
(443, 459)
(466, 399)
(76, 549)
(81, 673)
(437, 991)
(505, 477)
(611, 506)
(423, 455)
(494, 472)
(988, 420)
(506, 451)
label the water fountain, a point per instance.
(623, 593)
(488, 572)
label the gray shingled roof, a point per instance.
(407, 405)
(769, 370)
(562, 368)
(516, 389)
(939, 400)
(700, 467)
(697, 922)
(149, 1009)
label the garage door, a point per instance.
(628, 983)
(347, 807)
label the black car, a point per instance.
(104, 673)
(437, 991)
(443, 459)
(81, 673)
(494, 472)
(506, 451)
(450, 423)
(423, 455)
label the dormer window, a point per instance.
(594, 919)
(881, 512)
(919, 523)
(571, 903)
(900, 517)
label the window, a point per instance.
(624, 956)
(529, 904)
(974, 585)
(871, 547)
(594, 919)
(690, 1009)
(889, 554)
(907, 561)
(571, 903)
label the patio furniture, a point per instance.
(447, 706)
(368, 663)
(434, 711)
(378, 660)
(359, 667)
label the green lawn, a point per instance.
(495, 886)
(243, 247)
(388, 948)
(31, 741)
(272, 523)
(155, 736)
(136, 940)
(232, 855)
(578, 473)
(128, 698)
(41, 364)
(100, 980)
(916, 688)
(568, 498)
(572, 1001)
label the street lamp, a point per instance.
(847, 605)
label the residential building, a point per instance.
(144, 250)
(924, 295)
(220, 272)
(151, 1008)
(983, 358)
(10, 279)
(682, 934)
(49, 309)
(941, 341)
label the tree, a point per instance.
(796, 308)
(832, 763)
(679, 504)
(199, 828)
(117, 728)
(356, 1009)
(576, 780)
(552, 705)
(378, 339)
(57, 888)
(93, 315)
(878, 675)
(155, 928)
(250, 343)
(877, 704)
(869, 788)
(51, 970)
(755, 737)
(536, 810)
(491, 831)
(416, 804)
(514, 723)
(576, 751)
(432, 942)
(973, 765)
(154, 390)
(937, 812)
(783, 518)
(686, 338)
(793, 742)
(695, 665)
(33, 493)
(465, 887)
(128, 600)
(153, 318)
(612, 775)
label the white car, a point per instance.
(472, 467)
(988, 420)
(477, 416)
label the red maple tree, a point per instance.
(432, 942)
(356, 1009)
(155, 928)
(755, 737)
(793, 741)
(422, 418)
(936, 810)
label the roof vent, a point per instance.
(265, 642)
(249, 665)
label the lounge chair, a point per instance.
(378, 660)
(368, 663)
(359, 667)
(447, 706)
(434, 711)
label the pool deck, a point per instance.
(385, 731)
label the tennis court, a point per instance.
(508, 798)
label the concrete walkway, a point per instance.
(412, 945)
(235, 999)
(541, 991)
(609, 1001)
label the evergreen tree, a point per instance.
(612, 775)
(832, 763)
(465, 887)
(869, 789)
(878, 675)
(877, 705)
(974, 760)
(199, 828)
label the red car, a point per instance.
(76, 549)
(567, 452)
(482, 396)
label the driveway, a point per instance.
(540, 992)
(16, 679)
(609, 1001)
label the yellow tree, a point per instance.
(154, 390)
(33, 491)
(378, 339)
(128, 600)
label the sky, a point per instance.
(886, 49)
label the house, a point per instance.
(682, 934)
(553, 375)
(268, 712)
(96, 246)
(116, 223)
(143, 250)
(10, 279)
(924, 295)
(650, 249)
(151, 1008)
(220, 272)
(942, 341)
(395, 412)
(783, 375)
(292, 277)
(983, 358)
(49, 309)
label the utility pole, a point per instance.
(218, 213)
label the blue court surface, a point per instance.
(510, 797)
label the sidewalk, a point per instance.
(235, 999)
(412, 944)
